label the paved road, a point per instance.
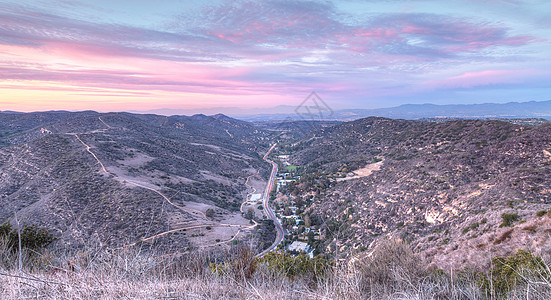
(265, 203)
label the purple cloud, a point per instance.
(267, 30)
(251, 47)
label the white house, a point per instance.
(301, 247)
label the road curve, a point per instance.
(265, 203)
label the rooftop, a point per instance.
(300, 247)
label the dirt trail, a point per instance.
(153, 237)
(108, 126)
(104, 170)
(189, 210)
(90, 151)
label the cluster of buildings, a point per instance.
(301, 247)
(287, 177)
(298, 230)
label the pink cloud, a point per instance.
(246, 49)
(484, 78)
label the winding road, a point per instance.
(266, 204)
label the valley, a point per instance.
(278, 149)
(337, 190)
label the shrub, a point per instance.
(301, 266)
(507, 273)
(508, 219)
(531, 228)
(507, 234)
(32, 237)
(541, 213)
(473, 226)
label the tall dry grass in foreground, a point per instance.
(391, 272)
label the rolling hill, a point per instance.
(117, 178)
(448, 188)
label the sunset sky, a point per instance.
(114, 55)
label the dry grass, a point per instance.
(392, 271)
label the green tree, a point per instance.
(250, 213)
(287, 212)
(310, 236)
(32, 237)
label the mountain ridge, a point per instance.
(443, 187)
(116, 178)
(529, 109)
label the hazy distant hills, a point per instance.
(532, 109)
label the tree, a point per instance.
(290, 221)
(209, 213)
(310, 237)
(250, 213)
(30, 237)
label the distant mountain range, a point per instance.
(532, 109)
(510, 110)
